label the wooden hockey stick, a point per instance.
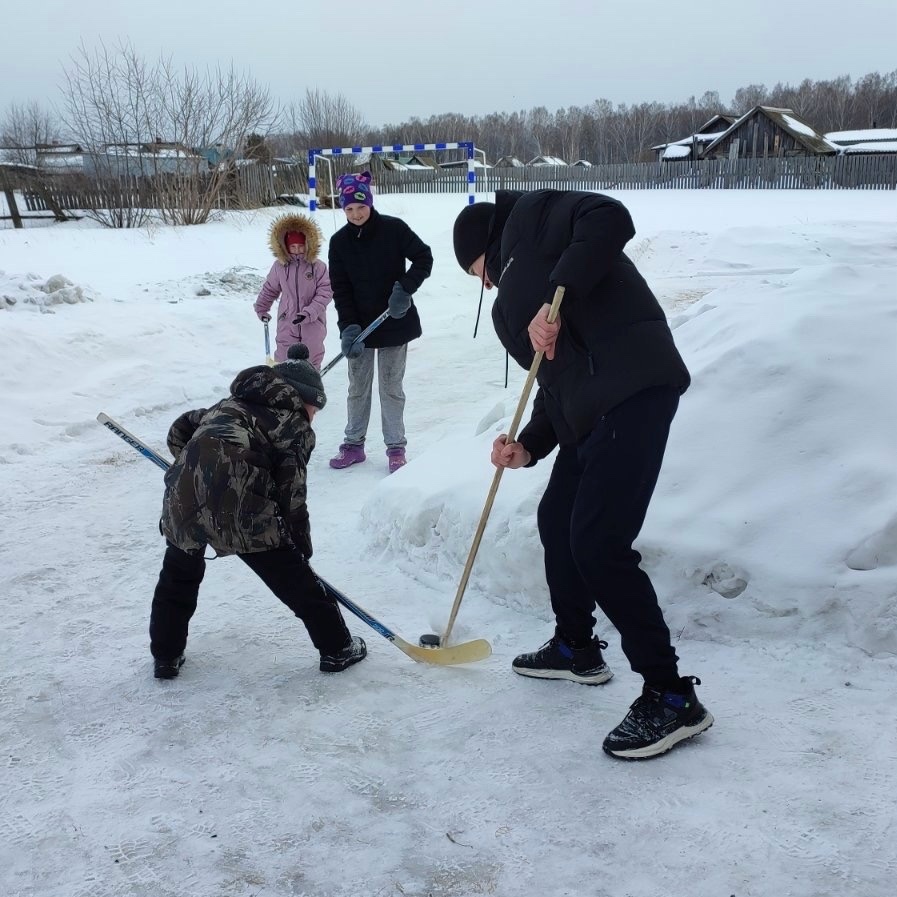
(490, 498)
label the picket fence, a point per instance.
(253, 186)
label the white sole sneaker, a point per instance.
(594, 677)
(667, 743)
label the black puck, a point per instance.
(430, 640)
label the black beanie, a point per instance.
(302, 375)
(471, 234)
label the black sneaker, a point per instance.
(168, 669)
(659, 720)
(557, 660)
(355, 651)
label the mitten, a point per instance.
(265, 318)
(349, 347)
(399, 301)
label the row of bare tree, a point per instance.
(599, 132)
(114, 102)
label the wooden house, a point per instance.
(767, 131)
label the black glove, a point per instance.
(264, 318)
(300, 318)
(347, 338)
(303, 542)
(399, 301)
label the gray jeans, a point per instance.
(390, 374)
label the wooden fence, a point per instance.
(247, 187)
(253, 186)
(877, 172)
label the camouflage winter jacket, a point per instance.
(238, 482)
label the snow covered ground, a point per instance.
(772, 541)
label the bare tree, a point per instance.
(157, 136)
(23, 127)
(321, 119)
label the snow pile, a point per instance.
(775, 506)
(34, 290)
(236, 281)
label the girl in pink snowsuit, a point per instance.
(301, 281)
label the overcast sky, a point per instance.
(394, 60)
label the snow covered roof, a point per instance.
(582, 163)
(19, 166)
(675, 151)
(873, 146)
(462, 163)
(47, 149)
(546, 160)
(508, 162)
(697, 137)
(867, 135)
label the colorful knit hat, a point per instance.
(355, 188)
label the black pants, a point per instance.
(285, 571)
(591, 513)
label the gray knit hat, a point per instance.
(302, 375)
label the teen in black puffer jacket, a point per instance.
(609, 386)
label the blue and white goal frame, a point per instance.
(467, 145)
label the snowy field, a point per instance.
(772, 541)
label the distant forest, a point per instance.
(111, 95)
(600, 132)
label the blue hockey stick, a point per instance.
(360, 338)
(465, 652)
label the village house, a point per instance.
(767, 131)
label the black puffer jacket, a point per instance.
(365, 262)
(614, 340)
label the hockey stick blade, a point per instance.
(465, 652)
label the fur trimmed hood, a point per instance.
(280, 227)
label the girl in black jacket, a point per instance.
(609, 386)
(367, 259)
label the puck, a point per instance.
(430, 640)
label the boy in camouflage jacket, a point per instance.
(238, 485)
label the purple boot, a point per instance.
(348, 455)
(396, 456)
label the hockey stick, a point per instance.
(268, 359)
(431, 638)
(466, 652)
(366, 332)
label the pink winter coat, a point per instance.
(303, 286)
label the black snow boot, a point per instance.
(355, 651)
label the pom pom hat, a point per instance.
(302, 375)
